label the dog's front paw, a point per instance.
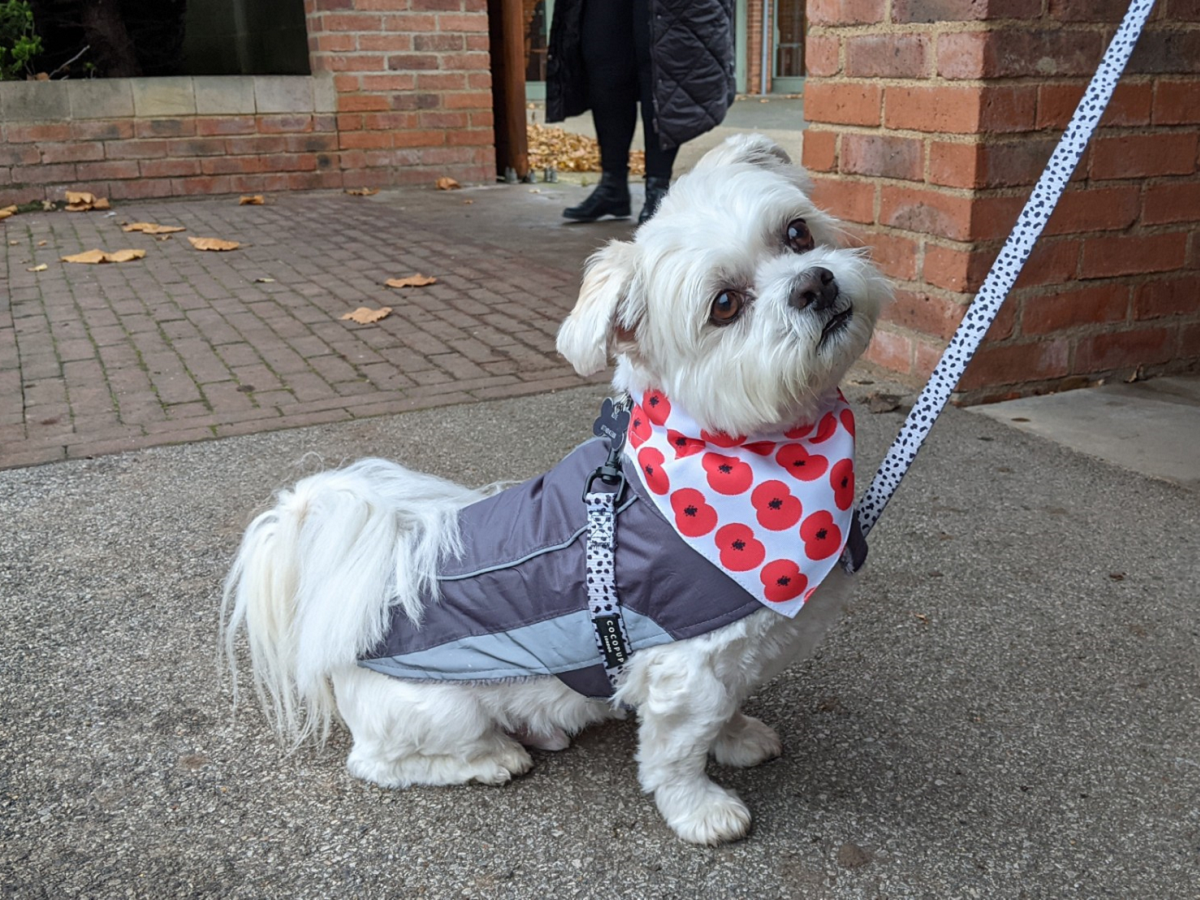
(501, 767)
(705, 814)
(746, 742)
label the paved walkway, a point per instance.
(187, 345)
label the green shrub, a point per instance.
(19, 43)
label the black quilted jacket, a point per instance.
(691, 55)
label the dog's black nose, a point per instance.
(815, 287)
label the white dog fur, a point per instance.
(312, 582)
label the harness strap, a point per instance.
(1005, 269)
(612, 640)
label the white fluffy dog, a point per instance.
(739, 302)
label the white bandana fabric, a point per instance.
(772, 511)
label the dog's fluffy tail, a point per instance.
(316, 577)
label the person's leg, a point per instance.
(611, 68)
(659, 162)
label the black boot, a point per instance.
(656, 189)
(610, 198)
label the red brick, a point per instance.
(76, 151)
(311, 143)
(466, 61)
(925, 108)
(165, 128)
(887, 56)
(992, 218)
(432, 137)
(225, 125)
(844, 104)
(100, 130)
(469, 136)
(1174, 52)
(467, 100)
(284, 124)
(1061, 310)
(1050, 262)
(411, 62)
(1110, 11)
(438, 119)
(245, 146)
(1130, 105)
(463, 23)
(955, 268)
(19, 155)
(1172, 202)
(895, 254)
(1183, 10)
(22, 134)
(392, 121)
(389, 42)
(233, 165)
(853, 201)
(1124, 349)
(1143, 155)
(1008, 108)
(314, 181)
(929, 11)
(891, 350)
(388, 82)
(358, 62)
(43, 174)
(209, 146)
(881, 155)
(113, 168)
(135, 149)
(926, 313)
(1176, 102)
(821, 55)
(819, 151)
(410, 24)
(1167, 297)
(1014, 53)
(1133, 254)
(350, 22)
(202, 184)
(956, 164)
(336, 43)
(1095, 209)
(1014, 363)
(169, 168)
(365, 140)
(140, 189)
(441, 81)
(439, 43)
(362, 102)
(926, 211)
(845, 12)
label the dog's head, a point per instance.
(738, 299)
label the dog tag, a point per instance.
(612, 423)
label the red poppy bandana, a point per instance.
(773, 511)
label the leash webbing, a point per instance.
(1006, 268)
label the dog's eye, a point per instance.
(799, 238)
(726, 307)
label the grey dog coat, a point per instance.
(515, 603)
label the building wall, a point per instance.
(929, 121)
(400, 93)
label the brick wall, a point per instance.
(929, 122)
(400, 93)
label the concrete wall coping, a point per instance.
(205, 95)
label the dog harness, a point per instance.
(524, 599)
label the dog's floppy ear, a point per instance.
(755, 149)
(606, 312)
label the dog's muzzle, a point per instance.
(816, 288)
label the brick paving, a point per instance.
(185, 345)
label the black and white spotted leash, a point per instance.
(1003, 274)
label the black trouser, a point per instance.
(616, 56)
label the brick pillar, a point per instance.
(930, 120)
(413, 86)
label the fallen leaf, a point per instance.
(82, 201)
(8, 211)
(213, 244)
(535, 190)
(554, 148)
(99, 256)
(13, 243)
(468, 202)
(48, 206)
(102, 203)
(252, 200)
(151, 228)
(162, 237)
(42, 268)
(362, 192)
(264, 280)
(365, 315)
(411, 281)
(42, 76)
(447, 184)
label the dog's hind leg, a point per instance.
(744, 741)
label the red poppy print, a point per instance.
(775, 506)
(720, 438)
(826, 428)
(657, 406)
(639, 426)
(782, 581)
(847, 417)
(801, 464)
(727, 474)
(683, 445)
(740, 552)
(693, 516)
(841, 479)
(822, 538)
(761, 448)
(798, 432)
(651, 462)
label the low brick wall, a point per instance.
(929, 122)
(160, 137)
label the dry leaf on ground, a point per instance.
(252, 200)
(264, 280)
(82, 201)
(365, 315)
(42, 268)
(411, 281)
(8, 211)
(447, 184)
(213, 244)
(93, 257)
(362, 192)
(570, 152)
(151, 228)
